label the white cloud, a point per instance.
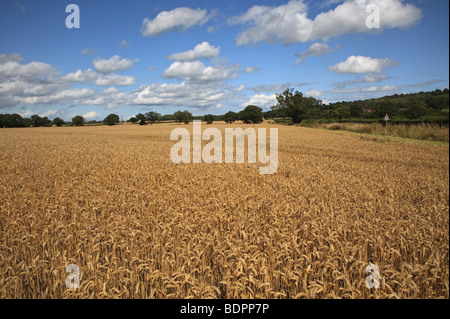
(184, 94)
(314, 93)
(240, 88)
(14, 57)
(362, 64)
(91, 115)
(81, 76)
(202, 87)
(261, 100)
(251, 69)
(114, 79)
(27, 113)
(202, 50)
(290, 23)
(179, 18)
(113, 64)
(99, 79)
(316, 49)
(197, 72)
(367, 78)
(30, 70)
(48, 113)
(372, 78)
(73, 96)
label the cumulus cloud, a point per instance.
(290, 23)
(197, 72)
(91, 115)
(316, 49)
(81, 76)
(202, 50)
(38, 83)
(14, 57)
(186, 93)
(99, 79)
(314, 93)
(177, 19)
(115, 63)
(30, 70)
(117, 80)
(72, 96)
(362, 64)
(261, 100)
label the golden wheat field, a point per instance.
(110, 200)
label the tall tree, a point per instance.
(152, 116)
(208, 118)
(251, 114)
(78, 120)
(289, 104)
(230, 117)
(40, 121)
(133, 119)
(179, 116)
(187, 117)
(141, 118)
(111, 119)
(58, 121)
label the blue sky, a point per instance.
(130, 57)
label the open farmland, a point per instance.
(110, 200)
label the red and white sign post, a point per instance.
(386, 118)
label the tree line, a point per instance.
(432, 107)
(415, 107)
(251, 114)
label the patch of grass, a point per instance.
(425, 132)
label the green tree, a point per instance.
(209, 118)
(58, 121)
(183, 116)
(111, 119)
(133, 119)
(384, 107)
(40, 121)
(27, 122)
(341, 111)
(78, 120)
(141, 118)
(37, 120)
(356, 110)
(179, 116)
(294, 105)
(11, 120)
(152, 116)
(230, 117)
(251, 114)
(417, 110)
(187, 117)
